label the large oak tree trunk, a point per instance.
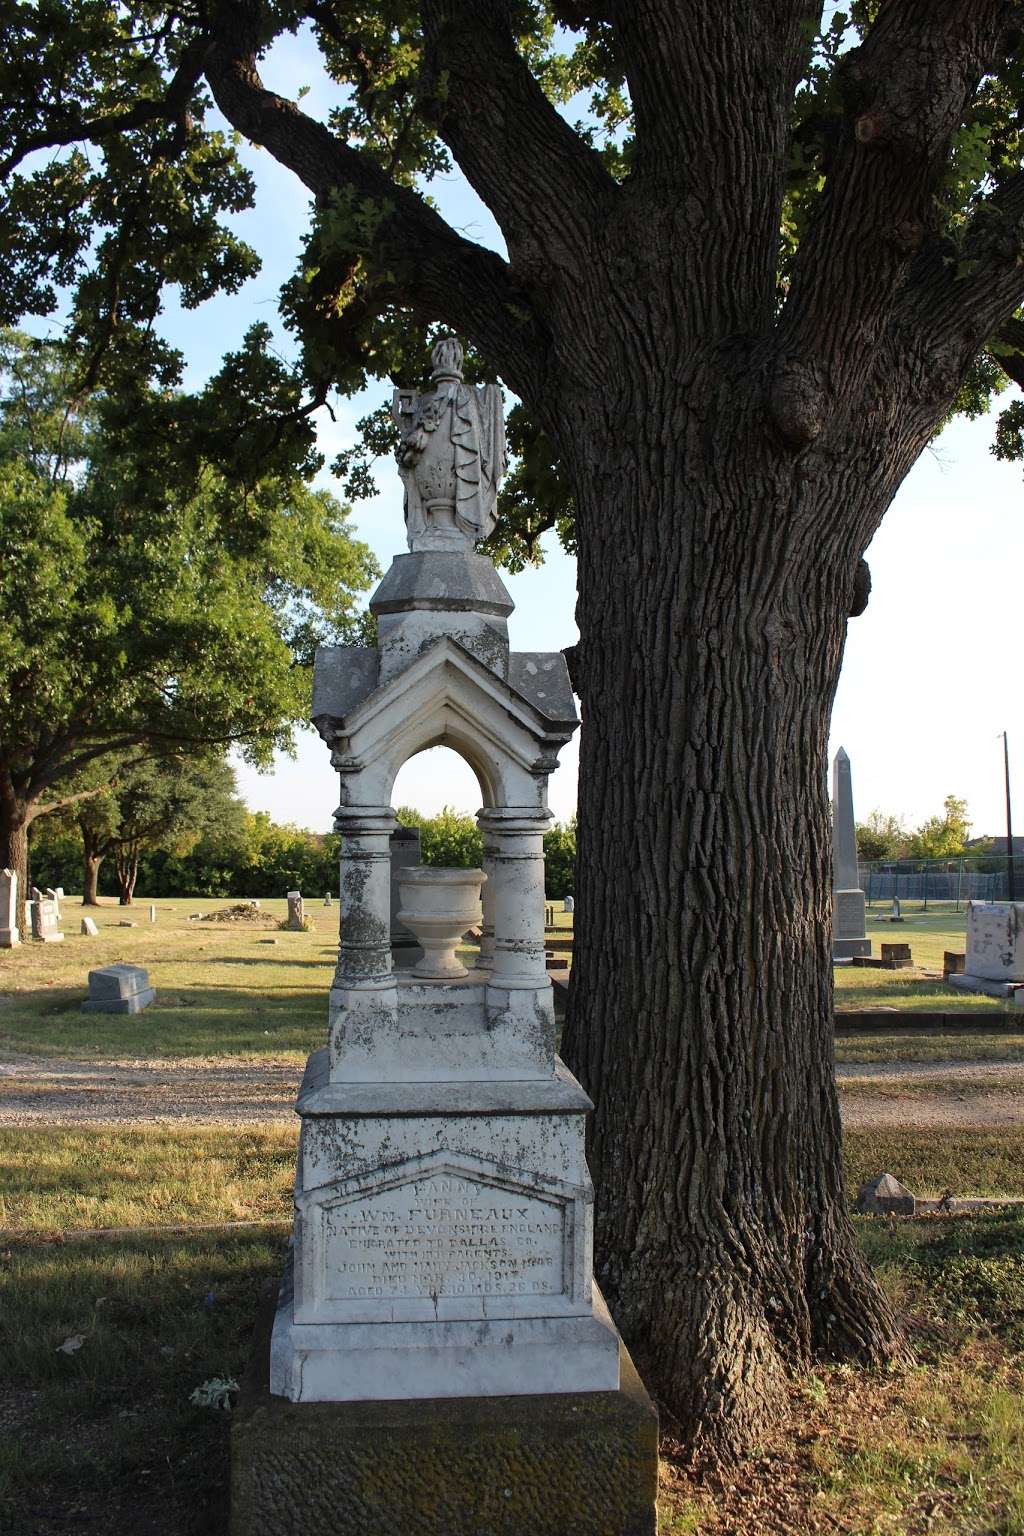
(714, 590)
(15, 819)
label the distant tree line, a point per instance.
(175, 827)
(883, 836)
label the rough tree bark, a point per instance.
(92, 857)
(126, 862)
(14, 825)
(731, 460)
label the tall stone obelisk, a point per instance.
(849, 933)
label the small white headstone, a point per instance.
(296, 912)
(152, 914)
(327, 899)
(568, 905)
(89, 927)
(9, 935)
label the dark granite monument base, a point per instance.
(585, 1463)
(845, 949)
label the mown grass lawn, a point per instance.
(223, 992)
(104, 1339)
(220, 990)
(929, 934)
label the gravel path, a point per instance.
(39, 1090)
(43, 1090)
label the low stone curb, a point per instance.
(898, 1018)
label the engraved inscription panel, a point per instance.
(444, 1235)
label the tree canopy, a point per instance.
(884, 836)
(123, 178)
(152, 598)
(160, 802)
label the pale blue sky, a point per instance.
(932, 670)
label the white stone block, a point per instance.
(995, 940)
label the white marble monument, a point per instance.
(9, 934)
(443, 1206)
(994, 961)
(849, 931)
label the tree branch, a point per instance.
(971, 293)
(905, 92)
(66, 800)
(1011, 336)
(438, 273)
(714, 153)
(547, 189)
(170, 107)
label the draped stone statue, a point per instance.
(452, 455)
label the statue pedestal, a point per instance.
(585, 1463)
(442, 1244)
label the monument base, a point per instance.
(505, 1357)
(846, 949)
(585, 1463)
(9, 937)
(991, 988)
(133, 1004)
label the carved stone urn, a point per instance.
(438, 905)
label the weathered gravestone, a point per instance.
(89, 927)
(441, 1359)
(327, 899)
(569, 904)
(45, 919)
(296, 912)
(994, 961)
(118, 989)
(9, 935)
(849, 930)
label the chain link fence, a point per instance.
(940, 883)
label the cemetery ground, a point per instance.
(145, 1172)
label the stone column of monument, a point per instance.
(440, 1356)
(486, 955)
(849, 930)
